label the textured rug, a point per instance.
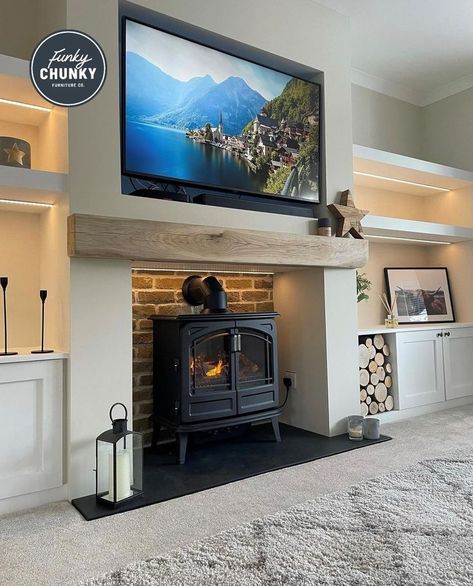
(413, 527)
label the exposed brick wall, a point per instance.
(160, 294)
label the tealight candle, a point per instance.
(355, 427)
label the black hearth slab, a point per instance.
(213, 464)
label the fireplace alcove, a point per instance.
(313, 294)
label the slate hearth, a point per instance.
(211, 464)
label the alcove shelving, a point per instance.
(420, 215)
(26, 116)
(33, 211)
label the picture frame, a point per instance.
(423, 294)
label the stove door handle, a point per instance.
(236, 343)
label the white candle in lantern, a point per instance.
(123, 475)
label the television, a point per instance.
(199, 117)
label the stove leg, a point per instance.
(182, 443)
(277, 433)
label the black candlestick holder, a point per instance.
(42, 295)
(4, 284)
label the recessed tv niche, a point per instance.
(198, 117)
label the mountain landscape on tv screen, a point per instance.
(156, 97)
(223, 134)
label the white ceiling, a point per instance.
(418, 50)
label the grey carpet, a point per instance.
(413, 527)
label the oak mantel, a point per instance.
(147, 241)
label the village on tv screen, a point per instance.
(202, 117)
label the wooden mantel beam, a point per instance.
(148, 240)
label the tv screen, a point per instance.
(201, 117)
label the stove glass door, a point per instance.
(210, 362)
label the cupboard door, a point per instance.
(458, 357)
(420, 368)
(31, 431)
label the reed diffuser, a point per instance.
(391, 320)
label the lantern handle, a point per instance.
(115, 405)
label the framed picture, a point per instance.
(422, 294)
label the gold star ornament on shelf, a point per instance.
(14, 154)
(349, 217)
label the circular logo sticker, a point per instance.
(68, 68)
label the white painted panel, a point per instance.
(31, 428)
(420, 368)
(458, 353)
(21, 429)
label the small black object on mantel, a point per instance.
(43, 294)
(4, 285)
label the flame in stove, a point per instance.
(217, 370)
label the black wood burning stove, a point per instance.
(214, 369)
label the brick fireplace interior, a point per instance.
(159, 293)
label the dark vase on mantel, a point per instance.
(4, 285)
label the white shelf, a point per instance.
(15, 85)
(24, 355)
(383, 228)
(31, 185)
(14, 67)
(431, 178)
(381, 329)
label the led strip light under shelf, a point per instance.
(22, 202)
(403, 181)
(25, 105)
(402, 239)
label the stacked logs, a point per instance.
(375, 375)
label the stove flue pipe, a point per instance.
(207, 292)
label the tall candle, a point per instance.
(123, 475)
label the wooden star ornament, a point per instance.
(349, 217)
(15, 154)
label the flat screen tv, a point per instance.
(196, 116)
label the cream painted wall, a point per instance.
(55, 274)
(386, 123)
(100, 376)
(371, 312)
(95, 180)
(317, 330)
(100, 366)
(458, 258)
(23, 23)
(447, 127)
(19, 261)
(454, 207)
(380, 202)
(18, 27)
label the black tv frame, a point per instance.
(200, 193)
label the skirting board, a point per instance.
(22, 502)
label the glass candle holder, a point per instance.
(355, 427)
(371, 428)
(391, 321)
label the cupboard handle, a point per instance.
(447, 334)
(439, 335)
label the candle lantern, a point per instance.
(119, 454)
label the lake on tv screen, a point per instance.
(216, 120)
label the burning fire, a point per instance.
(201, 366)
(217, 370)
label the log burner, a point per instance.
(214, 369)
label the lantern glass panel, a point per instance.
(120, 467)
